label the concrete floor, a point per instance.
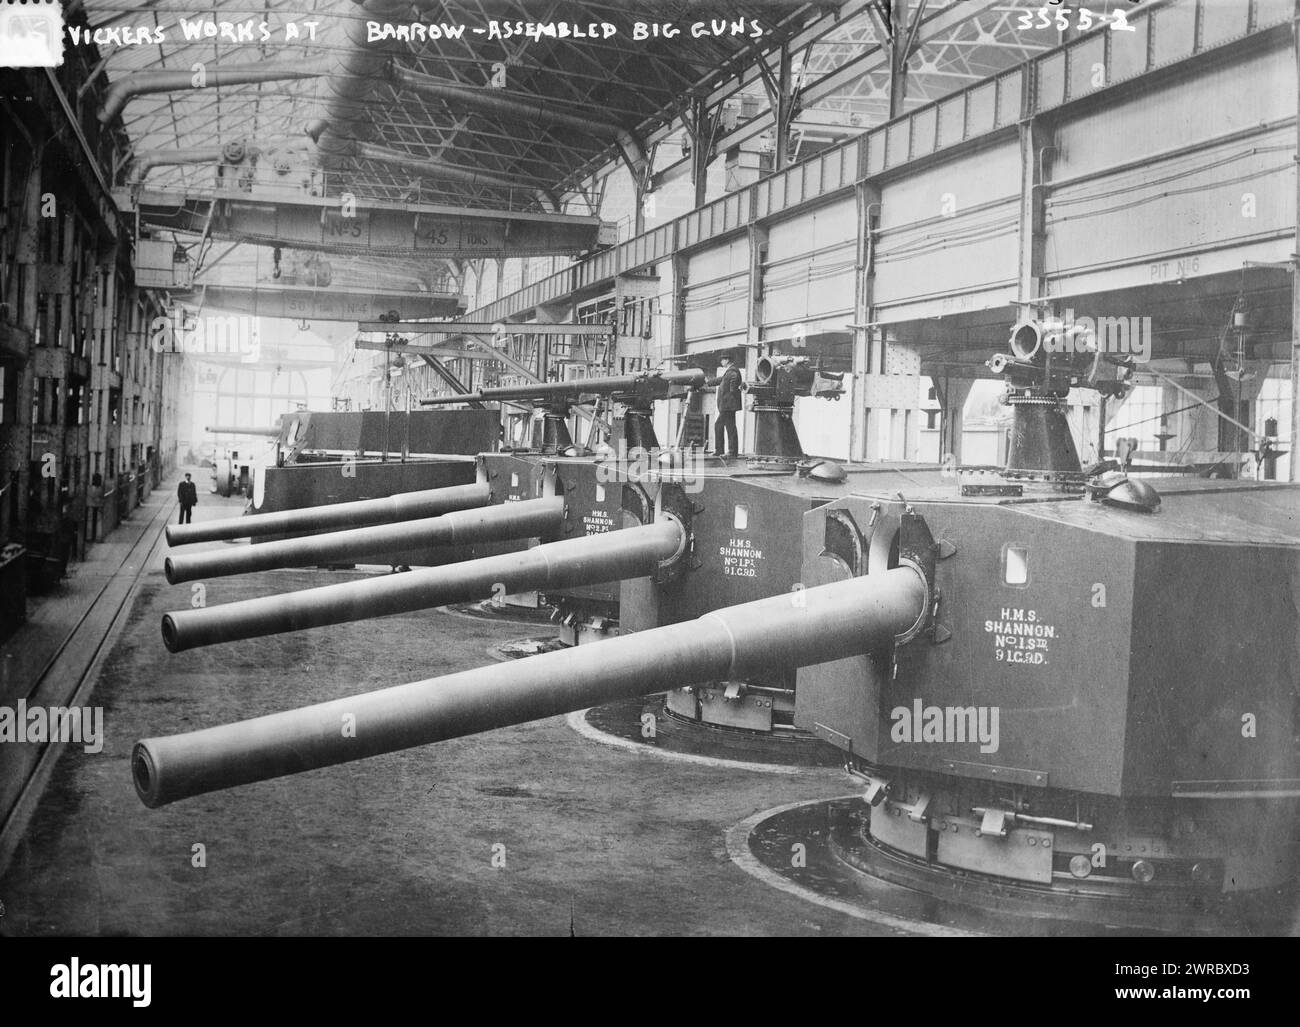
(597, 839)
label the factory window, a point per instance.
(45, 243)
(38, 401)
(1015, 565)
(72, 406)
(514, 479)
(741, 519)
(600, 493)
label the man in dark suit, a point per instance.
(729, 386)
(188, 495)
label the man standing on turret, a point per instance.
(188, 496)
(728, 397)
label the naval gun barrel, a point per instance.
(405, 506)
(643, 386)
(829, 622)
(625, 553)
(531, 518)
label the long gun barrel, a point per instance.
(626, 553)
(829, 622)
(646, 386)
(230, 429)
(406, 506)
(531, 518)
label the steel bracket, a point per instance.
(994, 823)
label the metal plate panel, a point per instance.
(1216, 644)
(973, 179)
(1087, 229)
(682, 703)
(753, 712)
(1022, 855)
(465, 432)
(1250, 90)
(717, 291)
(1009, 775)
(813, 230)
(891, 825)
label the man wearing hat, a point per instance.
(188, 496)
(728, 397)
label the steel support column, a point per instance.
(701, 128)
(1295, 296)
(1034, 142)
(952, 394)
(898, 55)
(757, 251)
(867, 197)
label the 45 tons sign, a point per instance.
(457, 235)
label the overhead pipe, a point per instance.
(361, 150)
(143, 83)
(346, 128)
(535, 110)
(146, 161)
(348, 115)
(233, 152)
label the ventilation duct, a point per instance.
(533, 110)
(142, 83)
(346, 127)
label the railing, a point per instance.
(1160, 36)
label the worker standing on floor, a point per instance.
(189, 496)
(729, 386)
